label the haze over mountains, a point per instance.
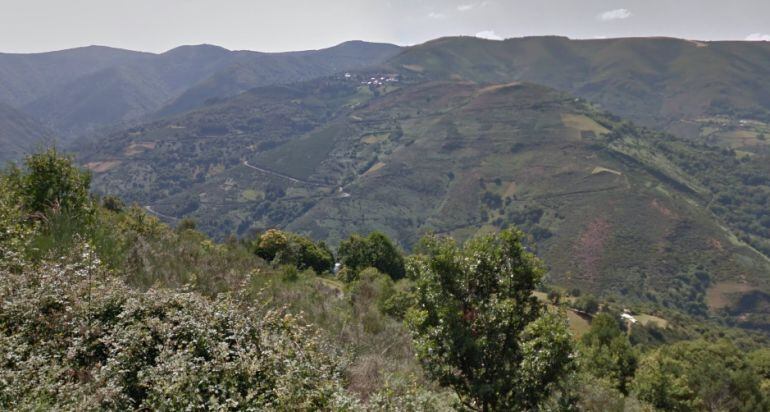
(453, 136)
(19, 134)
(80, 90)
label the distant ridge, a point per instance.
(84, 89)
(20, 134)
(671, 84)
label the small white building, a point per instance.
(628, 318)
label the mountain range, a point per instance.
(691, 88)
(82, 90)
(639, 167)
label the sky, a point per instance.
(281, 25)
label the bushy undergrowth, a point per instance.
(292, 249)
(105, 307)
(168, 319)
(75, 337)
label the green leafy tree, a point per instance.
(293, 249)
(760, 360)
(113, 203)
(51, 181)
(478, 328)
(313, 255)
(586, 303)
(271, 243)
(607, 352)
(186, 224)
(376, 250)
(700, 375)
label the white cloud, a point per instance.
(617, 14)
(471, 6)
(488, 34)
(436, 15)
(758, 37)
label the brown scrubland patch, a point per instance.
(510, 190)
(582, 123)
(716, 244)
(663, 210)
(375, 138)
(414, 67)
(720, 295)
(497, 87)
(101, 167)
(377, 166)
(578, 323)
(589, 247)
(138, 147)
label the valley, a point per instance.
(368, 137)
(610, 206)
(461, 223)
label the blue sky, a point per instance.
(280, 25)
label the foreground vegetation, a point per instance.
(104, 307)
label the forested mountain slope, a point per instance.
(249, 70)
(81, 90)
(19, 134)
(27, 77)
(716, 91)
(613, 208)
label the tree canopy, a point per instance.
(290, 248)
(50, 180)
(607, 352)
(700, 375)
(376, 250)
(478, 328)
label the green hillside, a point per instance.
(249, 70)
(20, 134)
(76, 92)
(103, 307)
(715, 91)
(614, 209)
(27, 77)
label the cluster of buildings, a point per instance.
(377, 80)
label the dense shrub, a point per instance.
(478, 328)
(607, 352)
(373, 287)
(74, 337)
(113, 203)
(14, 232)
(289, 248)
(376, 250)
(700, 375)
(186, 224)
(49, 180)
(586, 303)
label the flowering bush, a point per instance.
(74, 337)
(14, 234)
